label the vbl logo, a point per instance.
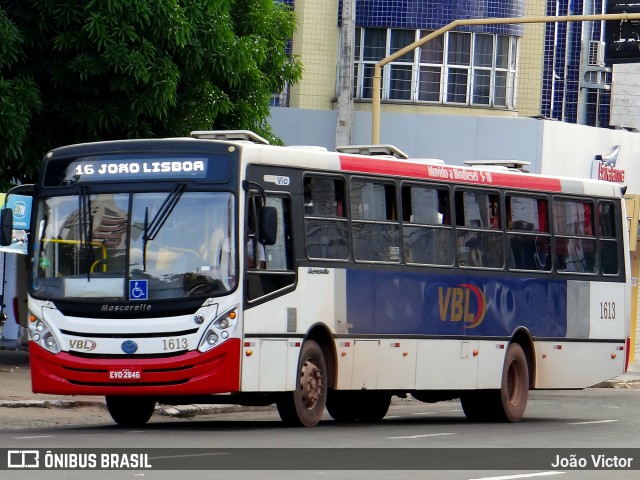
(82, 344)
(462, 303)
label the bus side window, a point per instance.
(326, 228)
(375, 228)
(529, 241)
(575, 239)
(427, 236)
(607, 238)
(479, 238)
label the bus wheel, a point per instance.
(360, 406)
(474, 405)
(342, 406)
(511, 401)
(374, 407)
(305, 405)
(130, 411)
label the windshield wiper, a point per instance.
(153, 227)
(85, 227)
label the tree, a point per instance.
(19, 100)
(109, 69)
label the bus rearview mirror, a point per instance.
(6, 226)
(268, 225)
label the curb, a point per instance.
(629, 384)
(49, 403)
(187, 411)
(177, 411)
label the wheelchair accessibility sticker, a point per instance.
(138, 290)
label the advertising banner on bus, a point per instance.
(21, 207)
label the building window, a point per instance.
(459, 68)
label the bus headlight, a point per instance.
(222, 326)
(50, 342)
(43, 336)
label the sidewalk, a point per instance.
(15, 392)
(15, 386)
(15, 389)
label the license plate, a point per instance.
(125, 374)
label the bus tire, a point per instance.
(342, 406)
(130, 411)
(304, 406)
(358, 406)
(474, 405)
(510, 401)
(374, 406)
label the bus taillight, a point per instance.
(627, 353)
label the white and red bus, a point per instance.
(374, 276)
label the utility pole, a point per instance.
(345, 74)
(583, 91)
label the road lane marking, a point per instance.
(420, 436)
(34, 436)
(594, 421)
(522, 475)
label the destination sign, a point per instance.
(175, 168)
(135, 167)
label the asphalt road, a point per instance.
(432, 438)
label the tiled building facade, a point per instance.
(501, 70)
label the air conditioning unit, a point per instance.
(596, 53)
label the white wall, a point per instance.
(452, 138)
(625, 95)
(569, 150)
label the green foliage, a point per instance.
(74, 71)
(20, 100)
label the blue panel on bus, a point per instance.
(380, 302)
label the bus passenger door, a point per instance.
(269, 264)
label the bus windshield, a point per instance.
(135, 246)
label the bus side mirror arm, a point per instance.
(6, 226)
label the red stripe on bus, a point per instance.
(448, 173)
(192, 373)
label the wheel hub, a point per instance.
(310, 384)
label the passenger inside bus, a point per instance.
(256, 255)
(542, 255)
(261, 263)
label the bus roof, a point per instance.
(386, 160)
